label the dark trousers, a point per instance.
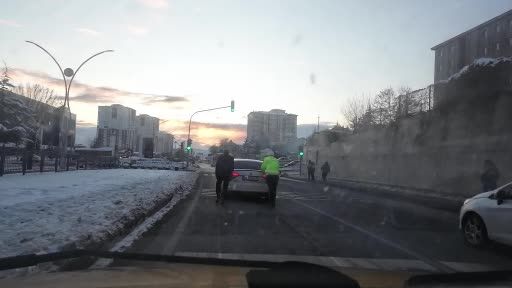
(221, 186)
(311, 174)
(272, 181)
(324, 176)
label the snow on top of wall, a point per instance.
(491, 62)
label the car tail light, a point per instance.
(234, 174)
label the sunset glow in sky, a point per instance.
(174, 57)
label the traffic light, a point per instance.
(301, 154)
(232, 105)
(189, 145)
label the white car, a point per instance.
(488, 216)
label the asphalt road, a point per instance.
(318, 223)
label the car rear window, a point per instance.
(252, 165)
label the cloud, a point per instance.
(10, 23)
(137, 30)
(86, 93)
(88, 32)
(164, 99)
(155, 4)
(85, 124)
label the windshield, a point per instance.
(248, 164)
(121, 123)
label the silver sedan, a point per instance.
(247, 177)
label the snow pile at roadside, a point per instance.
(45, 212)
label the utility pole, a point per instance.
(318, 125)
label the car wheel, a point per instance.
(475, 232)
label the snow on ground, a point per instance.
(43, 212)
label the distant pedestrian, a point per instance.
(223, 169)
(270, 167)
(311, 171)
(490, 176)
(325, 170)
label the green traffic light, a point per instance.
(232, 106)
(301, 153)
(189, 148)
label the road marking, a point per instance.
(438, 265)
(176, 236)
(293, 180)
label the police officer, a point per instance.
(270, 167)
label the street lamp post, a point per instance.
(189, 151)
(66, 73)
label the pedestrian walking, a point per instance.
(490, 176)
(270, 167)
(325, 170)
(311, 171)
(223, 169)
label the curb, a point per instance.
(447, 203)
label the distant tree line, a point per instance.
(385, 108)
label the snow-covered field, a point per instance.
(44, 212)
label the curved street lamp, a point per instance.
(69, 73)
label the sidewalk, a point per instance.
(429, 198)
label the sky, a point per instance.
(174, 57)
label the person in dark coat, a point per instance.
(223, 169)
(490, 176)
(311, 171)
(325, 170)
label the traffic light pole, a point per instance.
(189, 150)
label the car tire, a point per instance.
(474, 230)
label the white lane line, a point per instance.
(345, 262)
(176, 236)
(438, 265)
(293, 180)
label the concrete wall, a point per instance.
(440, 150)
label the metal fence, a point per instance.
(20, 160)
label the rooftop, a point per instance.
(509, 12)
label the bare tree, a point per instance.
(385, 106)
(353, 111)
(38, 93)
(407, 102)
(41, 102)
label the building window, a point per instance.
(485, 51)
(498, 28)
(440, 67)
(510, 25)
(441, 53)
(497, 46)
(452, 49)
(142, 121)
(114, 113)
(485, 34)
(510, 42)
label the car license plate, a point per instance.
(252, 178)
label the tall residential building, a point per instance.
(116, 127)
(275, 127)
(490, 39)
(147, 130)
(164, 142)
